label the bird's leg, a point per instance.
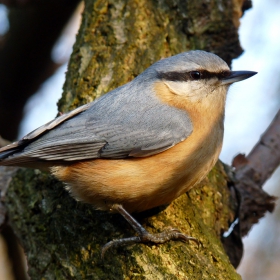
(143, 235)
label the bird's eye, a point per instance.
(195, 75)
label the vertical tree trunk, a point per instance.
(62, 238)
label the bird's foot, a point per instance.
(158, 238)
(143, 235)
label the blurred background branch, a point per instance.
(25, 54)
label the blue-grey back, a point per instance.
(127, 121)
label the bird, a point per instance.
(141, 145)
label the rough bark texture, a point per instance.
(62, 238)
(120, 39)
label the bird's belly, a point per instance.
(142, 183)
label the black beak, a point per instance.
(237, 76)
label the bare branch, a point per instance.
(252, 172)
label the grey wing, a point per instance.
(41, 130)
(138, 127)
(49, 143)
(102, 140)
(145, 137)
(118, 125)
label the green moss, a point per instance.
(120, 39)
(63, 238)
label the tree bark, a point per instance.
(62, 238)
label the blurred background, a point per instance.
(251, 105)
(250, 108)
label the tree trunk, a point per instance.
(62, 238)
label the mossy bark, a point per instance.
(120, 39)
(62, 238)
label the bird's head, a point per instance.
(195, 75)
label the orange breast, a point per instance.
(143, 183)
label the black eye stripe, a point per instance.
(192, 75)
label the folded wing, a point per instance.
(118, 125)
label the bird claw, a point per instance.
(143, 235)
(146, 237)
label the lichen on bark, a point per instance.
(63, 238)
(120, 39)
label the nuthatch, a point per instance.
(141, 145)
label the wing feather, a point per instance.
(122, 123)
